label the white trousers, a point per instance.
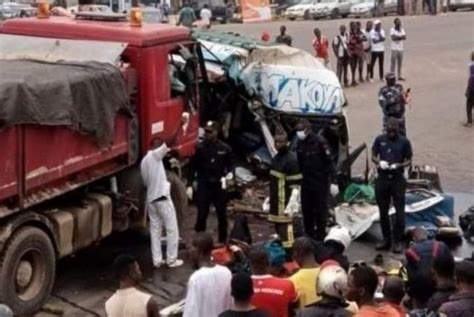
(162, 214)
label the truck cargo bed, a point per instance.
(85, 96)
(61, 126)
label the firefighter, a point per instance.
(392, 100)
(285, 181)
(316, 166)
(212, 164)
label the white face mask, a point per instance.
(301, 135)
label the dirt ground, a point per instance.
(436, 58)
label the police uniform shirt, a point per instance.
(315, 160)
(284, 176)
(212, 161)
(392, 151)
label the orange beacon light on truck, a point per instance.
(43, 9)
(136, 17)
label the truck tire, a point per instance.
(335, 14)
(27, 270)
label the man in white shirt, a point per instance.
(159, 204)
(206, 16)
(377, 36)
(208, 292)
(339, 46)
(398, 35)
(128, 301)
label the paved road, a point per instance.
(435, 63)
(436, 59)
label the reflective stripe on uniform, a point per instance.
(296, 177)
(279, 218)
(281, 191)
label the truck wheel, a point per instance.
(335, 14)
(27, 270)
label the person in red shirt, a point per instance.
(321, 46)
(276, 296)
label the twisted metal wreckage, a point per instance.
(256, 89)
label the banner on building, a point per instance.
(256, 10)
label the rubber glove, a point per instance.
(189, 192)
(384, 165)
(266, 205)
(294, 205)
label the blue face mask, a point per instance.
(301, 135)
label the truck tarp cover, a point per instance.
(85, 96)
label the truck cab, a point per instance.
(61, 192)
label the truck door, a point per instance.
(184, 90)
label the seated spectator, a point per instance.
(420, 289)
(128, 301)
(276, 296)
(208, 292)
(305, 279)
(461, 304)
(363, 282)
(332, 286)
(393, 293)
(420, 255)
(242, 291)
(443, 274)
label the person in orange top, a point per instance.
(362, 284)
(393, 293)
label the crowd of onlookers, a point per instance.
(435, 284)
(361, 48)
(357, 49)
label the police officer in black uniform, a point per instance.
(211, 164)
(392, 101)
(391, 153)
(285, 181)
(317, 167)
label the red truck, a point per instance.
(61, 192)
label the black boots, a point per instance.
(383, 246)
